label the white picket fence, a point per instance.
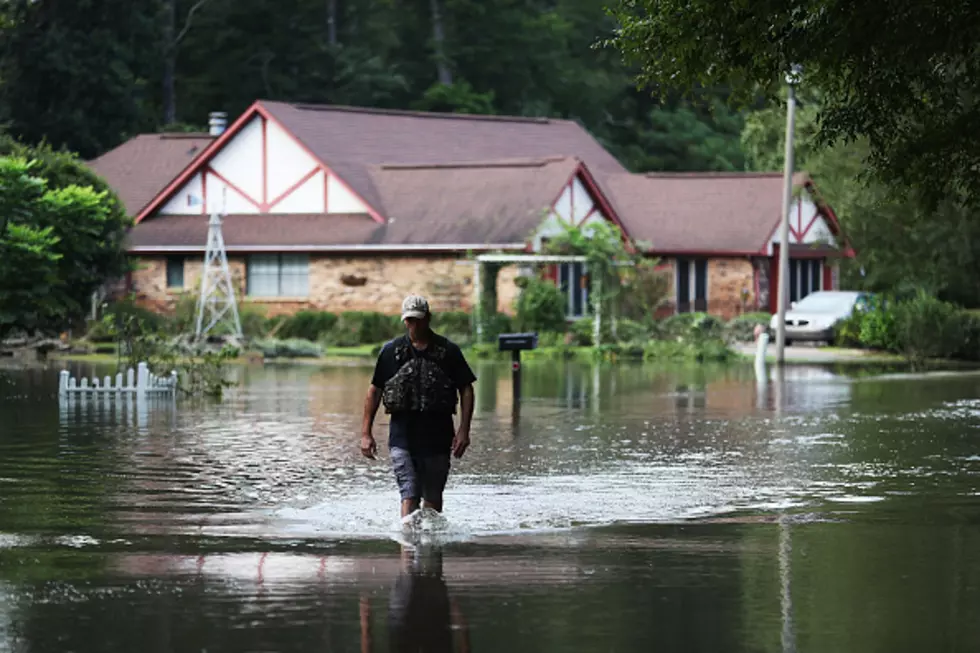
(140, 382)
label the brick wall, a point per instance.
(727, 277)
(337, 284)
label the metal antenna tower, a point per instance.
(217, 290)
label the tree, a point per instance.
(62, 237)
(74, 72)
(904, 241)
(906, 79)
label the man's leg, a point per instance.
(407, 477)
(434, 473)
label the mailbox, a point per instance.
(517, 341)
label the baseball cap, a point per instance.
(415, 306)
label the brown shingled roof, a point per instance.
(141, 167)
(700, 212)
(350, 139)
(255, 231)
(495, 203)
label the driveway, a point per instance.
(815, 354)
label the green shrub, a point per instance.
(254, 322)
(847, 332)
(878, 327)
(458, 322)
(690, 325)
(294, 348)
(742, 328)
(540, 307)
(628, 331)
(702, 351)
(364, 328)
(309, 325)
(927, 327)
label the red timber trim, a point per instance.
(200, 164)
(756, 285)
(599, 200)
(208, 170)
(197, 164)
(204, 192)
(828, 276)
(588, 215)
(323, 166)
(265, 163)
(289, 191)
(703, 253)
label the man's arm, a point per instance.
(371, 402)
(462, 440)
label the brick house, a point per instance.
(340, 208)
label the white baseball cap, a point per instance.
(415, 306)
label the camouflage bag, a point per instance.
(420, 384)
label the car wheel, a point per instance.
(787, 342)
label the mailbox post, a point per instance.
(515, 343)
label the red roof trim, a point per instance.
(371, 210)
(205, 156)
(196, 164)
(600, 198)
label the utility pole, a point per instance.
(792, 79)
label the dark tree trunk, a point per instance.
(169, 63)
(439, 38)
(332, 22)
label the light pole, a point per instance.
(792, 79)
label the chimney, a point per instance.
(217, 121)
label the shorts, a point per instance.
(420, 476)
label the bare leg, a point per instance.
(434, 505)
(409, 506)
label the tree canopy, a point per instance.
(61, 238)
(904, 77)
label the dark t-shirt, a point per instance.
(416, 431)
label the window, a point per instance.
(692, 285)
(278, 275)
(573, 280)
(805, 277)
(175, 272)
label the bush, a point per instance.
(847, 333)
(364, 328)
(927, 327)
(742, 328)
(690, 325)
(707, 350)
(495, 324)
(457, 322)
(878, 327)
(294, 348)
(540, 307)
(254, 322)
(309, 325)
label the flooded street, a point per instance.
(620, 509)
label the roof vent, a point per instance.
(217, 121)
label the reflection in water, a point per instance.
(422, 617)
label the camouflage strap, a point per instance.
(420, 384)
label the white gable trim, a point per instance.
(260, 167)
(575, 205)
(807, 226)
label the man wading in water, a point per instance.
(418, 377)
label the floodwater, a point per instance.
(620, 508)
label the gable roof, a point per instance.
(349, 139)
(451, 206)
(730, 213)
(141, 167)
